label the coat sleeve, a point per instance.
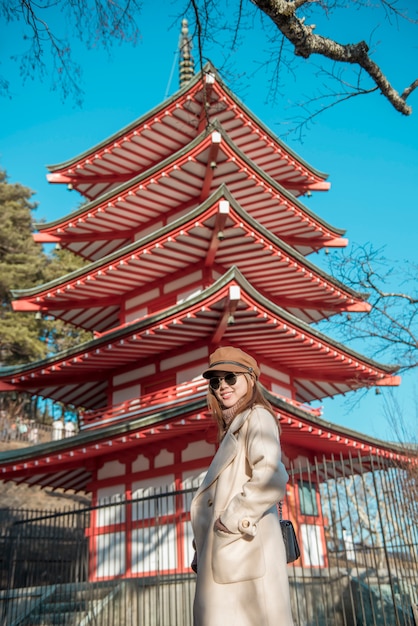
(268, 477)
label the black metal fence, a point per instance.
(27, 432)
(357, 525)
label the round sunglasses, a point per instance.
(230, 379)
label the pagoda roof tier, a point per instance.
(179, 184)
(230, 311)
(215, 235)
(70, 463)
(173, 124)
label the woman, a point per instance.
(240, 557)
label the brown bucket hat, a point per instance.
(230, 359)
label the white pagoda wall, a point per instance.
(143, 304)
(185, 367)
(125, 536)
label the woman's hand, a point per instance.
(193, 564)
(219, 526)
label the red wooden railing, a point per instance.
(175, 395)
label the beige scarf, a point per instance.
(229, 414)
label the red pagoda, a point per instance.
(196, 236)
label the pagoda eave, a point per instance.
(336, 242)
(170, 126)
(389, 381)
(25, 305)
(230, 310)
(4, 386)
(75, 181)
(45, 238)
(69, 464)
(210, 237)
(319, 186)
(359, 307)
(208, 162)
(59, 178)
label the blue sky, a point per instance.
(368, 149)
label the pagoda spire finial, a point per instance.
(186, 64)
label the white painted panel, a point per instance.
(193, 478)
(191, 481)
(194, 373)
(126, 394)
(281, 391)
(114, 512)
(187, 356)
(154, 549)
(186, 295)
(105, 494)
(312, 549)
(188, 550)
(141, 464)
(198, 450)
(164, 458)
(110, 469)
(182, 284)
(135, 314)
(110, 555)
(276, 374)
(135, 374)
(141, 300)
(147, 506)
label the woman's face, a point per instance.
(228, 395)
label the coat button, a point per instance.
(210, 502)
(245, 523)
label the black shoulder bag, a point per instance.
(289, 537)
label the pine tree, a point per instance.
(21, 266)
(26, 337)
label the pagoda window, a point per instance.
(155, 529)
(110, 555)
(108, 547)
(191, 481)
(308, 501)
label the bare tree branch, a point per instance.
(407, 92)
(95, 22)
(391, 326)
(199, 31)
(102, 22)
(336, 98)
(306, 43)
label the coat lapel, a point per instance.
(226, 452)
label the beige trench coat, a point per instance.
(242, 577)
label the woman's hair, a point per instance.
(253, 396)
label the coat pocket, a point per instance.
(237, 557)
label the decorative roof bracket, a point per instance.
(227, 318)
(211, 164)
(218, 232)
